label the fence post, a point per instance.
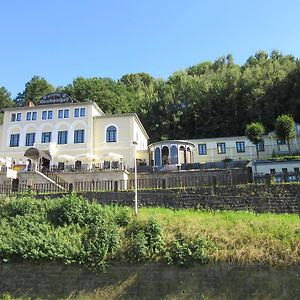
(285, 177)
(163, 183)
(268, 179)
(115, 186)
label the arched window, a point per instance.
(174, 155)
(165, 155)
(111, 134)
(157, 160)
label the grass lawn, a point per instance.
(242, 237)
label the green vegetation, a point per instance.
(254, 133)
(285, 129)
(278, 157)
(209, 99)
(240, 237)
(72, 230)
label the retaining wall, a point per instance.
(281, 198)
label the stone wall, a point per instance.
(280, 198)
(149, 281)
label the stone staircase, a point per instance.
(55, 180)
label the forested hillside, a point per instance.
(210, 99)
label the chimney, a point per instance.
(30, 103)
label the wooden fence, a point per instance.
(171, 182)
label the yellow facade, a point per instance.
(69, 132)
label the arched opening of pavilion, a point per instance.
(171, 152)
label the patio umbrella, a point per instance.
(111, 156)
(65, 157)
(88, 157)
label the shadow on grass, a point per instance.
(149, 281)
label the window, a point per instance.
(76, 112)
(62, 137)
(14, 140)
(202, 149)
(78, 136)
(111, 134)
(60, 114)
(13, 118)
(82, 112)
(47, 114)
(260, 146)
(46, 137)
(221, 147)
(296, 170)
(63, 113)
(66, 113)
(79, 112)
(31, 115)
(30, 137)
(284, 170)
(240, 147)
(272, 171)
(279, 142)
(44, 115)
(19, 116)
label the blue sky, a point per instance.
(63, 39)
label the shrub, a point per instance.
(122, 215)
(99, 244)
(10, 208)
(71, 209)
(25, 238)
(145, 241)
(138, 249)
(184, 251)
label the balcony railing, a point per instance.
(92, 167)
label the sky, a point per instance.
(64, 39)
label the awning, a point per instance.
(35, 153)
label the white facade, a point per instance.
(274, 167)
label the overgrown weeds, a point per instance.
(73, 230)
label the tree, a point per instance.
(254, 133)
(5, 101)
(111, 96)
(285, 129)
(35, 89)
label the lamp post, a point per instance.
(135, 180)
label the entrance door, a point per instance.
(45, 164)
